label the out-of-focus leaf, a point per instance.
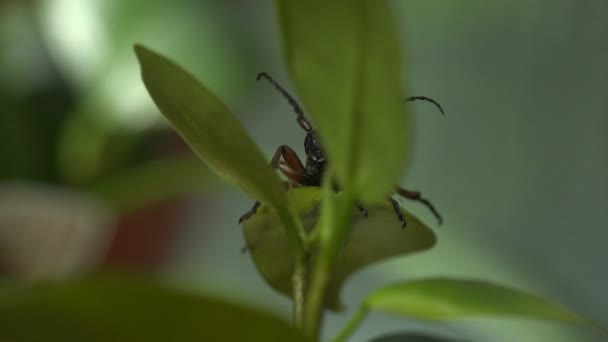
(209, 128)
(414, 337)
(344, 59)
(370, 240)
(153, 181)
(114, 309)
(444, 299)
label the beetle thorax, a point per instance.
(313, 148)
(315, 158)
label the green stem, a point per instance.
(351, 325)
(295, 232)
(300, 284)
(331, 235)
(314, 304)
(300, 245)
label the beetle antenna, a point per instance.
(428, 99)
(286, 95)
(302, 121)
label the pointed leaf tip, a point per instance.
(446, 299)
(209, 127)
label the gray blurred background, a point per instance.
(517, 167)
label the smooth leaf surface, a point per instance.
(376, 238)
(209, 127)
(444, 299)
(344, 59)
(115, 309)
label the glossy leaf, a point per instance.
(344, 59)
(209, 128)
(376, 238)
(444, 299)
(115, 309)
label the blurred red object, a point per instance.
(144, 238)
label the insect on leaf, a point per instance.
(370, 240)
(344, 59)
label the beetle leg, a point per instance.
(416, 196)
(292, 168)
(398, 211)
(289, 155)
(250, 212)
(291, 165)
(295, 177)
(257, 204)
(362, 210)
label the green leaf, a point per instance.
(209, 128)
(445, 299)
(344, 59)
(115, 309)
(376, 238)
(216, 136)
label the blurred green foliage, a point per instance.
(74, 111)
(126, 308)
(513, 73)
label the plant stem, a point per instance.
(299, 241)
(351, 325)
(333, 225)
(300, 285)
(314, 304)
(294, 231)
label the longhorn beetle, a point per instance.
(311, 173)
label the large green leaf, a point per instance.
(215, 135)
(115, 309)
(444, 299)
(209, 128)
(370, 240)
(344, 59)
